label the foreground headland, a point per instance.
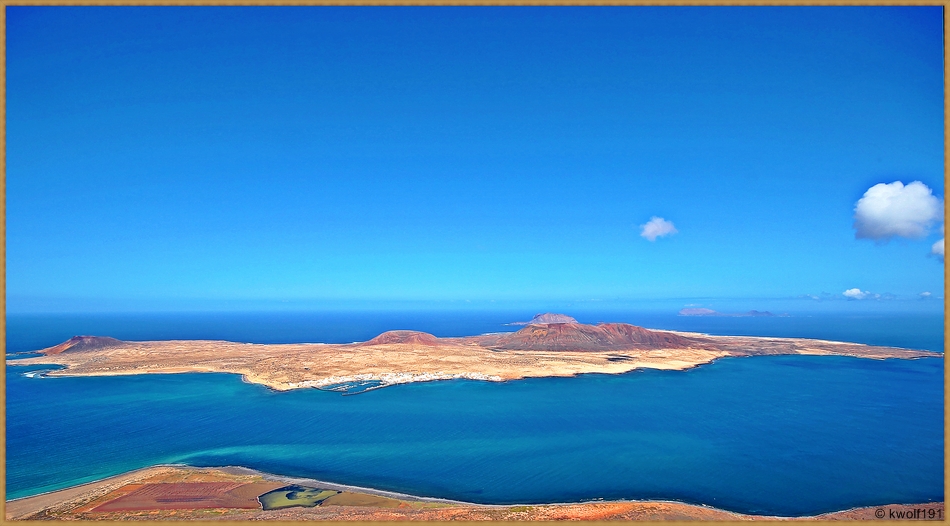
(236, 493)
(538, 350)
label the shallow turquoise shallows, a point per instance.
(785, 435)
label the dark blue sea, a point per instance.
(782, 435)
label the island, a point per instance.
(549, 345)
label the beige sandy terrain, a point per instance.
(99, 500)
(283, 367)
(562, 349)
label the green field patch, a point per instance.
(290, 496)
(361, 499)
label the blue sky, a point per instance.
(210, 157)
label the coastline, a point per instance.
(403, 356)
(331, 383)
(397, 357)
(241, 470)
(30, 506)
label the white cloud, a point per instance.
(895, 210)
(657, 227)
(937, 249)
(858, 294)
(819, 297)
(925, 295)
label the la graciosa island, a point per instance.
(548, 345)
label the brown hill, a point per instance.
(83, 343)
(416, 337)
(580, 337)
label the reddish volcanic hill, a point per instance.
(416, 337)
(83, 343)
(580, 337)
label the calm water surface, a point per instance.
(787, 435)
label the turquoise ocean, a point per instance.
(782, 435)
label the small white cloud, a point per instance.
(925, 295)
(895, 210)
(820, 297)
(937, 249)
(657, 227)
(856, 294)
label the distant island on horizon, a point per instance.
(700, 311)
(545, 319)
(548, 345)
